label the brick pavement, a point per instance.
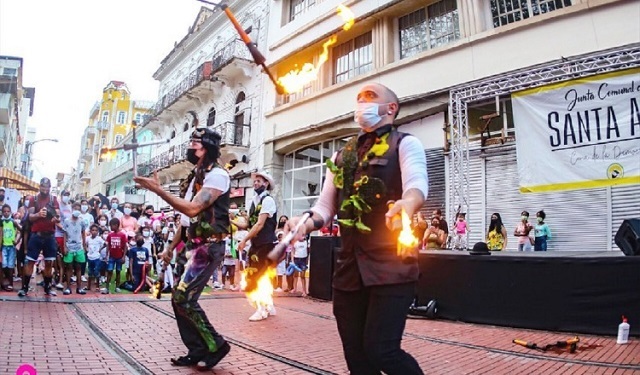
(137, 334)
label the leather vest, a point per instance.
(217, 215)
(267, 234)
(368, 259)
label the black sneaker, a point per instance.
(208, 362)
(185, 361)
(22, 293)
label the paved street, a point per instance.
(125, 334)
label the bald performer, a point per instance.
(373, 283)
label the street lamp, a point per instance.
(28, 149)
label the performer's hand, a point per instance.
(396, 209)
(149, 183)
(291, 225)
(166, 256)
(241, 245)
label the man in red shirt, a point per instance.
(43, 214)
(116, 249)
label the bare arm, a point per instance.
(205, 197)
(504, 236)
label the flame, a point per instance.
(347, 16)
(243, 280)
(406, 239)
(297, 79)
(263, 294)
(107, 154)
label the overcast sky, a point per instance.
(73, 48)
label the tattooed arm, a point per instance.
(205, 197)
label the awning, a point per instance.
(11, 179)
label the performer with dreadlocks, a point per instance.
(204, 197)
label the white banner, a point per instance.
(579, 134)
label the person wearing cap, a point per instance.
(373, 284)
(204, 206)
(262, 234)
(43, 215)
(2, 192)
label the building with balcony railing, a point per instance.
(209, 78)
(110, 121)
(16, 106)
(456, 66)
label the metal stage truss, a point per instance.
(564, 69)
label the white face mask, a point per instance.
(366, 115)
(127, 211)
(84, 208)
(103, 222)
(65, 199)
(26, 203)
(145, 233)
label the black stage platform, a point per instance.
(577, 292)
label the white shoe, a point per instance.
(59, 286)
(260, 314)
(271, 310)
(73, 279)
(104, 291)
(216, 285)
(83, 278)
(117, 290)
(278, 290)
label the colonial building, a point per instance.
(110, 120)
(457, 66)
(209, 80)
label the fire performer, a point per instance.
(205, 199)
(263, 222)
(373, 284)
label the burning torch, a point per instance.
(253, 48)
(133, 146)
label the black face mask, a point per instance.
(191, 156)
(147, 214)
(260, 190)
(2, 197)
(140, 243)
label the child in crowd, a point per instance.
(138, 262)
(228, 264)
(281, 269)
(117, 248)
(149, 243)
(542, 232)
(103, 256)
(75, 247)
(300, 253)
(10, 238)
(522, 232)
(95, 245)
(461, 229)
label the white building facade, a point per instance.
(455, 65)
(210, 79)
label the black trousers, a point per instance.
(197, 333)
(258, 263)
(371, 322)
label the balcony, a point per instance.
(171, 164)
(133, 195)
(125, 168)
(5, 108)
(3, 139)
(87, 154)
(85, 176)
(191, 84)
(233, 135)
(232, 61)
(102, 125)
(90, 131)
(96, 149)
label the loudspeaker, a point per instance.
(322, 256)
(628, 237)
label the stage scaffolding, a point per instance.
(564, 69)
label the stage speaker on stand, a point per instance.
(322, 256)
(628, 237)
